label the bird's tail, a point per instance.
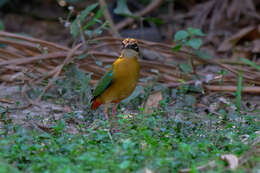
(96, 103)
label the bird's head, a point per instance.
(130, 48)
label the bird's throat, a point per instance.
(129, 53)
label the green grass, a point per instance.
(159, 143)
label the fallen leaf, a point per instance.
(153, 101)
(231, 159)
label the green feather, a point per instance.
(103, 83)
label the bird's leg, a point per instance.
(107, 115)
(116, 127)
(106, 111)
(114, 110)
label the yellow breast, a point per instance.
(125, 78)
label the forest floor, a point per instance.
(164, 126)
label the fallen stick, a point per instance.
(245, 89)
(34, 40)
(19, 61)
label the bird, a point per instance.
(120, 80)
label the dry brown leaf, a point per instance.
(153, 101)
(231, 159)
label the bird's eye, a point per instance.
(135, 47)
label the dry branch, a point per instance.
(33, 40)
(154, 4)
(107, 16)
(22, 60)
(246, 89)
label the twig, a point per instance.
(153, 5)
(107, 16)
(20, 61)
(22, 54)
(194, 81)
(10, 54)
(34, 40)
(20, 44)
(246, 89)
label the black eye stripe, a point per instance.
(134, 46)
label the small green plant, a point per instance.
(81, 26)
(251, 63)
(239, 92)
(191, 38)
(74, 89)
(5, 120)
(239, 83)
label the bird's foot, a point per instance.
(113, 125)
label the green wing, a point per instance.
(103, 83)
